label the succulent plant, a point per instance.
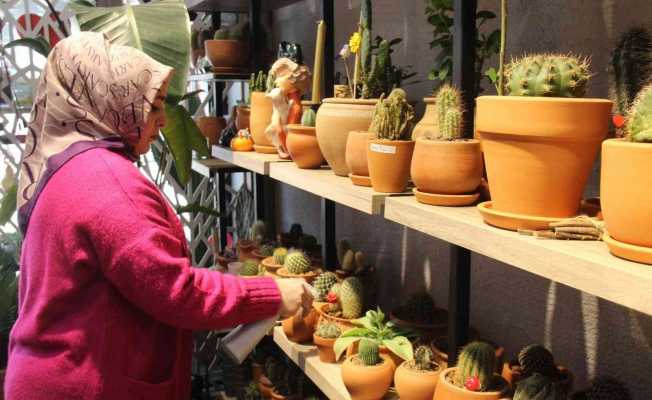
(449, 112)
(379, 79)
(222, 34)
(538, 387)
(536, 359)
(267, 250)
(257, 232)
(328, 330)
(258, 83)
(240, 31)
(250, 268)
(369, 352)
(323, 284)
(639, 117)
(392, 117)
(297, 263)
(476, 361)
(631, 66)
(424, 359)
(279, 255)
(335, 308)
(419, 308)
(604, 388)
(309, 117)
(351, 298)
(549, 75)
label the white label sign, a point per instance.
(382, 148)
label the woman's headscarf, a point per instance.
(91, 94)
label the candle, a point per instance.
(319, 62)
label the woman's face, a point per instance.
(155, 121)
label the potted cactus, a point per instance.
(251, 269)
(228, 52)
(367, 375)
(323, 284)
(625, 184)
(474, 377)
(345, 303)
(297, 265)
(324, 338)
(300, 329)
(275, 261)
(538, 387)
(352, 262)
(264, 251)
(389, 154)
(446, 168)
(536, 359)
(416, 379)
(260, 113)
(302, 142)
(420, 314)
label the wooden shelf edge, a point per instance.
(250, 160)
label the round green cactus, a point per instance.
(297, 263)
(267, 250)
(549, 75)
(538, 387)
(250, 268)
(328, 330)
(477, 360)
(369, 352)
(323, 284)
(279, 255)
(419, 308)
(309, 117)
(639, 117)
(536, 359)
(351, 298)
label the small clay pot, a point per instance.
(246, 249)
(227, 53)
(356, 157)
(270, 265)
(242, 116)
(342, 323)
(415, 385)
(325, 348)
(367, 382)
(211, 128)
(308, 277)
(386, 353)
(300, 329)
(303, 147)
(260, 115)
(446, 390)
(265, 387)
(257, 255)
(389, 164)
(513, 373)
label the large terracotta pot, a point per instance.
(367, 383)
(427, 126)
(539, 151)
(626, 198)
(389, 164)
(300, 329)
(303, 147)
(356, 157)
(335, 119)
(325, 348)
(415, 385)
(211, 128)
(445, 390)
(259, 119)
(242, 116)
(227, 53)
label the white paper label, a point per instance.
(382, 148)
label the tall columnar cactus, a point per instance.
(365, 32)
(342, 247)
(351, 298)
(257, 232)
(328, 330)
(258, 83)
(279, 255)
(631, 66)
(536, 359)
(309, 117)
(380, 78)
(538, 387)
(449, 113)
(639, 118)
(369, 352)
(548, 75)
(323, 284)
(424, 359)
(476, 361)
(297, 263)
(250, 268)
(392, 117)
(607, 389)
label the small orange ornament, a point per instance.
(242, 142)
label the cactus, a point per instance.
(267, 250)
(477, 360)
(250, 268)
(323, 284)
(605, 388)
(365, 32)
(639, 117)
(309, 117)
(297, 263)
(449, 112)
(336, 308)
(392, 118)
(279, 255)
(348, 262)
(379, 80)
(328, 330)
(342, 247)
(258, 83)
(419, 308)
(239, 31)
(536, 359)
(257, 232)
(222, 34)
(631, 66)
(538, 387)
(351, 298)
(424, 359)
(548, 75)
(369, 352)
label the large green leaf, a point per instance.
(161, 29)
(38, 44)
(400, 346)
(182, 136)
(8, 204)
(343, 343)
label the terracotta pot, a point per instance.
(259, 119)
(427, 126)
(242, 116)
(227, 53)
(270, 265)
(211, 128)
(277, 396)
(342, 323)
(265, 387)
(446, 167)
(389, 164)
(393, 359)
(298, 329)
(445, 390)
(325, 348)
(539, 151)
(246, 249)
(366, 383)
(335, 119)
(626, 196)
(308, 277)
(356, 155)
(512, 373)
(415, 385)
(302, 146)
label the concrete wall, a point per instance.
(511, 307)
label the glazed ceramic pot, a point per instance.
(259, 118)
(300, 329)
(242, 116)
(446, 390)
(415, 385)
(335, 119)
(626, 198)
(513, 373)
(389, 164)
(211, 128)
(539, 151)
(303, 147)
(227, 53)
(325, 348)
(427, 126)
(356, 157)
(366, 382)
(342, 323)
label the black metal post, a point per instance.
(328, 250)
(464, 35)
(459, 299)
(328, 12)
(221, 203)
(265, 197)
(259, 190)
(256, 32)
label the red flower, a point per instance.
(618, 120)
(472, 383)
(331, 298)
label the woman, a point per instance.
(107, 297)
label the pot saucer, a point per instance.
(512, 221)
(628, 251)
(264, 149)
(450, 200)
(360, 180)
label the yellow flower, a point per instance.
(354, 42)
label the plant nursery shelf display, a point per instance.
(253, 161)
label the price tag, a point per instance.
(382, 148)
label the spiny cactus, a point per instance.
(323, 284)
(328, 330)
(477, 360)
(549, 75)
(538, 387)
(257, 231)
(222, 34)
(419, 308)
(351, 298)
(348, 261)
(309, 117)
(369, 352)
(258, 83)
(342, 247)
(267, 250)
(424, 359)
(639, 118)
(279, 255)
(631, 65)
(365, 32)
(250, 268)
(380, 78)
(536, 359)
(449, 112)
(392, 117)
(297, 263)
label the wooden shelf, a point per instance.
(256, 162)
(209, 166)
(586, 266)
(210, 77)
(324, 183)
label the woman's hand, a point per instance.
(295, 295)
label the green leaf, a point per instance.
(182, 136)
(358, 332)
(161, 29)
(174, 100)
(38, 44)
(400, 346)
(8, 204)
(343, 343)
(492, 74)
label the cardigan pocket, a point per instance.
(141, 390)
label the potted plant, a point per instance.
(228, 52)
(8, 314)
(352, 262)
(211, 128)
(274, 262)
(297, 265)
(324, 338)
(367, 375)
(356, 157)
(251, 269)
(290, 386)
(302, 142)
(345, 303)
(474, 377)
(541, 137)
(439, 346)
(416, 379)
(420, 314)
(390, 152)
(260, 113)
(264, 251)
(300, 329)
(539, 387)
(446, 168)
(536, 359)
(323, 284)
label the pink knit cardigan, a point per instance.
(108, 298)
